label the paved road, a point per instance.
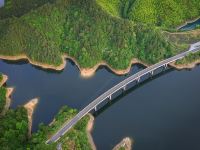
(122, 85)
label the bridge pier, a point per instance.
(151, 73)
(165, 66)
(110, 97)
(95, 108)
(124, 88)
(138, 80)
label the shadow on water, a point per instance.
(191, 26)
(16, 62)
(127, 92)
(25, 61)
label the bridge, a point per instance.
(120, 86)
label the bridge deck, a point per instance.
(68, 125)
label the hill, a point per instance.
(82, 29)
(166, 13)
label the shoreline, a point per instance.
(89, 72)
(9, 91)
(185, 66)
(85, 72)
(89, 129)
(3, 81)
(188, 22)
(126, 143)
(30, 107)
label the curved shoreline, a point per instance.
(185, 66)
(30, 107)
(9, 91)
(88, 72)
(89, 129)
(126, 143)
(187, 22)
(4, 79)
(85, 72)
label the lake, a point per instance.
(161, 113)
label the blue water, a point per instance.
(190, 26)
(160, 114)
(1, 3)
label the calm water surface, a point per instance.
(1, 3)
(190, 26)
(160, 114)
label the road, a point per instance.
(122, 85)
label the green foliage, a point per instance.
(153, 46)
(14, 129)
(166, 13)
(76, 138)
(2, 98)
(122, 148)
(1, 77)
(91, 39)
(36, 34)
(19, 7)
(84, 30)
(111, 6)
(197, 26)
(189, 59)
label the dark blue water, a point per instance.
(160, 114)
(55, 89)
(1, 3)
(190, 26)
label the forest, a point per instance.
(165, 13)
(2, 95)
(93, 31)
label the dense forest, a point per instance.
(93, 31)
(166, 13)
(2, 95)
(2, 98)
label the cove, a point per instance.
(190, 26)
(159, 114)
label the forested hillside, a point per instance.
(89, 31)
(167, 13)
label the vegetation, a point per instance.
(189, 59)
(76, 138)
(1, 77)
(18, 8)
(2, 95)
(93, 31)
(167, 13)
(2, 98)
(197, 27)
(184, 38)
(14, 129)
